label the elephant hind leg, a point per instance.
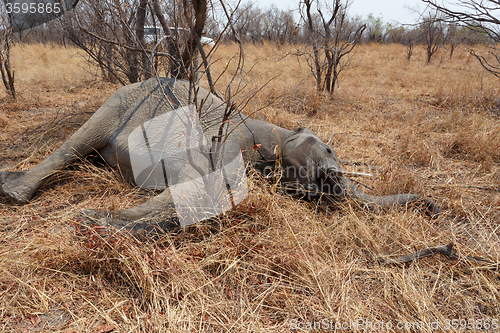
(90, 222)
(156, 215)
(92, 136)
(21, 187)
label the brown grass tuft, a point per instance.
(477, 143)
(4, 121)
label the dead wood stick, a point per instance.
(445, 250)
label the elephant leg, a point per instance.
(6, 176)
(156, 215)
(21, 187)
(92, 136)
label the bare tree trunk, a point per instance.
(329, 70)
(188, 57)
(409, 50)
(172, 48)
(310, 27)
(5, 68)
(453, 46)
(131, 55)
(433, 34)
(479, 16)
(335, 43)
(139, 32)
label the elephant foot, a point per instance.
(90, 222)
(5, 176)
(13, 187)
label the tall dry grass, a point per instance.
(275, 261)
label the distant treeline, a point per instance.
(254, 24)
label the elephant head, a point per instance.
(310, 168)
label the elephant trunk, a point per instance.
(388, 201)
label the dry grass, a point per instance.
(432, 130)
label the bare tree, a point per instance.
(409, 37)
(453, 37)
(375, 31)
(112, 33)
(5, 65)
(395, 34)
(21, 15)
(432, 29)
(247, 24)
(478, 15)
(332, 39)
(410, 47)
(279, 25)
(106, 32)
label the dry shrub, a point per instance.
(274, 259)
(279, 117)
(416, 151)
(49, 67)
(478, 141)
(4, 121)
(496, 177)
(397, 179)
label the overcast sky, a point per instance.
(389, 10)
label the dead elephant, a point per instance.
(307, 165)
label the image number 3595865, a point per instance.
(26, 14)
(33, 7)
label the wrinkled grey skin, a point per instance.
(264, 146)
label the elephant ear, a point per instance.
(267, 143)
(26, 14)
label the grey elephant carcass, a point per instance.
(307, 166)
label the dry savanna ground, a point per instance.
(275, 263)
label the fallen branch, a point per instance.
(445, 250)
(486, 188)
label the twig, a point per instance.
(331, 136)
(445, 250)
(486, 188)
(362, 184)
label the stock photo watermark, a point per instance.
(204, 178)
(376, 325)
